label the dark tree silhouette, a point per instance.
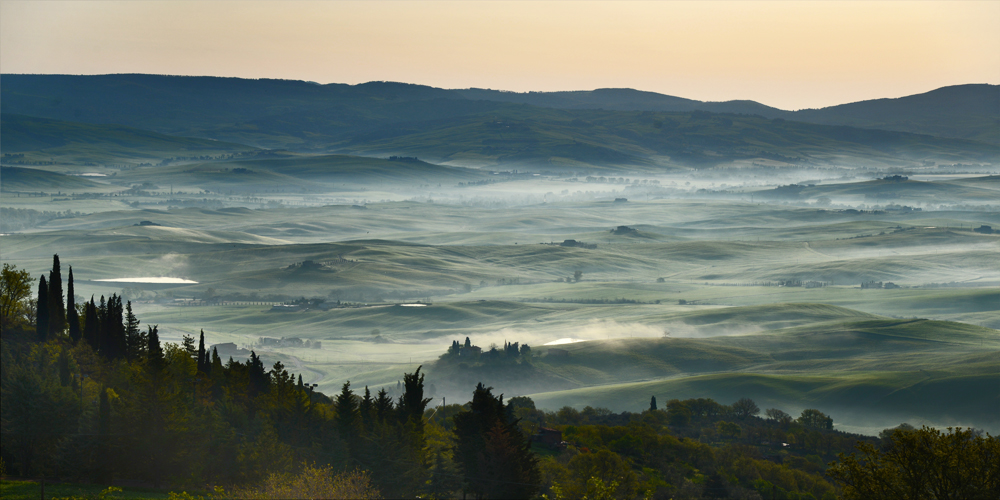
(57, 309)
(495, 458)
(72, 317)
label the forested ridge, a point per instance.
(91, 395)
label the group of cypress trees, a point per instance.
(160, 412)
(108, 327)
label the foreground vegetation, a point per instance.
(88, 395)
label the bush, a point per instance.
(312, 482)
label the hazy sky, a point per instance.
(789, 54)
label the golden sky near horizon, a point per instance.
(788, 54)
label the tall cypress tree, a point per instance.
(102, 325)
(72, 317)
(57, 309)
(42, 310)
(202, 355)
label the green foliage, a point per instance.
(311, 482)
(816, 419)
(15, 293)
(922, 464)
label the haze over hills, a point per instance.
(601, 128)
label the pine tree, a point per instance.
(216, 361)
(91, 324)
(383, 405)
(366, 409)
(72, 317)
(42, 310)
(412, 403)
(154, 352)
(494, 456)
(57, 308)
(134, 338)
(113, 342)
(347, 412)
(256, 375)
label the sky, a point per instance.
(788, 54)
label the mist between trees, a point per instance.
(91, 394)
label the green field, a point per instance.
(707, 291)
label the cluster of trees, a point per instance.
(510, 352)
(102, 406)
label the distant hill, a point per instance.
(961, 111)
(31, 179)
(621, 100)
(20, 133)
(600, 128)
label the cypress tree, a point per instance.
(42, 309)
(57, 309)
(652, 403)
(102, 325)
(72, 317)
(202, 355)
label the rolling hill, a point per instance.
(22, 133)
(32, 179)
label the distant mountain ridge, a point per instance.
(603, 127)
(621, 100)
(960, 111)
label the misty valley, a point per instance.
(501, 295)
